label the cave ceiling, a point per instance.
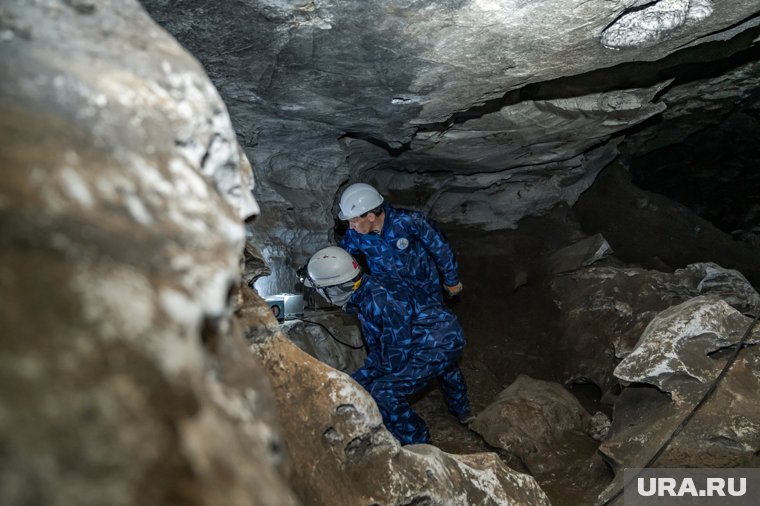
(479, 112)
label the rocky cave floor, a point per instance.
(509, 335)
(512, 325)
(515, 329)
(509, 332)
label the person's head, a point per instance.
(361, 206)
(334, 273)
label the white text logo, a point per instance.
(662, 487)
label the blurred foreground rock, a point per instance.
(123, 378)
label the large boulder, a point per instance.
(534, 420)
(675, 351)
(123, 379)
(605, 309)
(680, 410)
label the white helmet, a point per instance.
(332, 266)
(357, 199)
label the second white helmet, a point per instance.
(332, 266)
(357, 199)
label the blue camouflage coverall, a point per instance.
(408, 247)
(411, 340)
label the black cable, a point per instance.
(328, 331)
(693, 412)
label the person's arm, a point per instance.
(387, 324)
(440, 251)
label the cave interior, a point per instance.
(518, 148)
(595, 166)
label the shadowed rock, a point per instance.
(530, 419)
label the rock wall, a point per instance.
(123, 378)
(605, 310)
(703, 411)
(635, 221)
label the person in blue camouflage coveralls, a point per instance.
(397, 243)
(411, 339)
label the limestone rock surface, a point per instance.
(674, 350)
(478, 112)
(123, 378)
(605, 310)
(677, 354)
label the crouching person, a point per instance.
(411, 340)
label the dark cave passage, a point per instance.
(714, 172)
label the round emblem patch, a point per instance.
(402, 243)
